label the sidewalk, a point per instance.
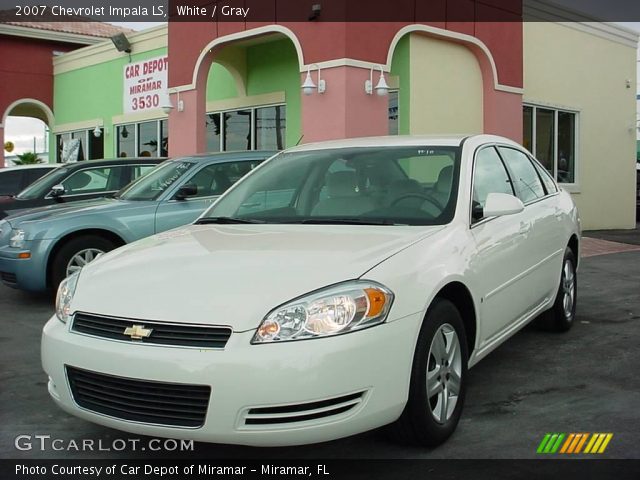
(603, 242)
(621, 236)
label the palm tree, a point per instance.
(27, 158)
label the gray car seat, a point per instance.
(343, 197)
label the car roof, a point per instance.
(28, 167)
(454, 140)
(240, 155)
(114, 161)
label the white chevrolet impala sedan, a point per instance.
(339, 287)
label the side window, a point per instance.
(10, 182)
(527, 183)
(140, 171)
(489, 176)
(217, 178)
(549, 184)
(94, 180)
(33, 174)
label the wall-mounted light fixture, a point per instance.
(316, 8)
(97, 132)
(308, 87)
(168, 106)
(121, 42)
(382, 88)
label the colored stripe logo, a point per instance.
(574, 443)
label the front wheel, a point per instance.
(75, 254)
(560, 317)
(438, 379)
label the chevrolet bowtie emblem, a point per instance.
(138, 332)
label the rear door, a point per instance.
(544, 243)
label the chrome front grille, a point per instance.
(174, 334)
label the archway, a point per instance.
(477, 101)
(249, 80)
(23, 108)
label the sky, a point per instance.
(23, 130)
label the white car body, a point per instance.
(234, 275)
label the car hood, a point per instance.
(232, 274)
(65, 210)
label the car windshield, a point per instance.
(42, 186)
(153, 184)
(360, 186)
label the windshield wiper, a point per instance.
(225, 220)
(346, 221)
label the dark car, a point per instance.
(78, 181)
(16, 179)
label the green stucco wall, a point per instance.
(95, 91)
(400, 67)
(271, 67)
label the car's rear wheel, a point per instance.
(75, 254)
(561, 316)
(438, 379)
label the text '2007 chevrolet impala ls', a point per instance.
(337, 288)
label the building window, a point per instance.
(393, 112)
(126, 140)
(550, 134)
(237, 130)
(144, 139)
(270, 127)
(77, 146)
(263, 128)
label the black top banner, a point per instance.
(277, 11)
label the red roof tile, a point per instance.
(81, 26)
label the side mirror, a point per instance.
(188, 190)
(500, 204)
(57, 190)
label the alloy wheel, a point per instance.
(82, 258)
(444, 373)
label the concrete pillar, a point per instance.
(344, 110)
(187, 129)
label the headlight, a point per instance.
(17, 239)
(331, 311)
(65, 295)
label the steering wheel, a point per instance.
(422, 196)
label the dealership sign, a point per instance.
(145, 84)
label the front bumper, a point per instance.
(376, 361)
(25, 274)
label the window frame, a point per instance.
(484, 146)
(574, 186)
(87, 140)
(252, 121)
(534, 163)
(136, 136)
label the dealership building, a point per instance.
(565, 90)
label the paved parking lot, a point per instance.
(538, 382)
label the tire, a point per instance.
(422, 422)
(561, 316)
(92, 245)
